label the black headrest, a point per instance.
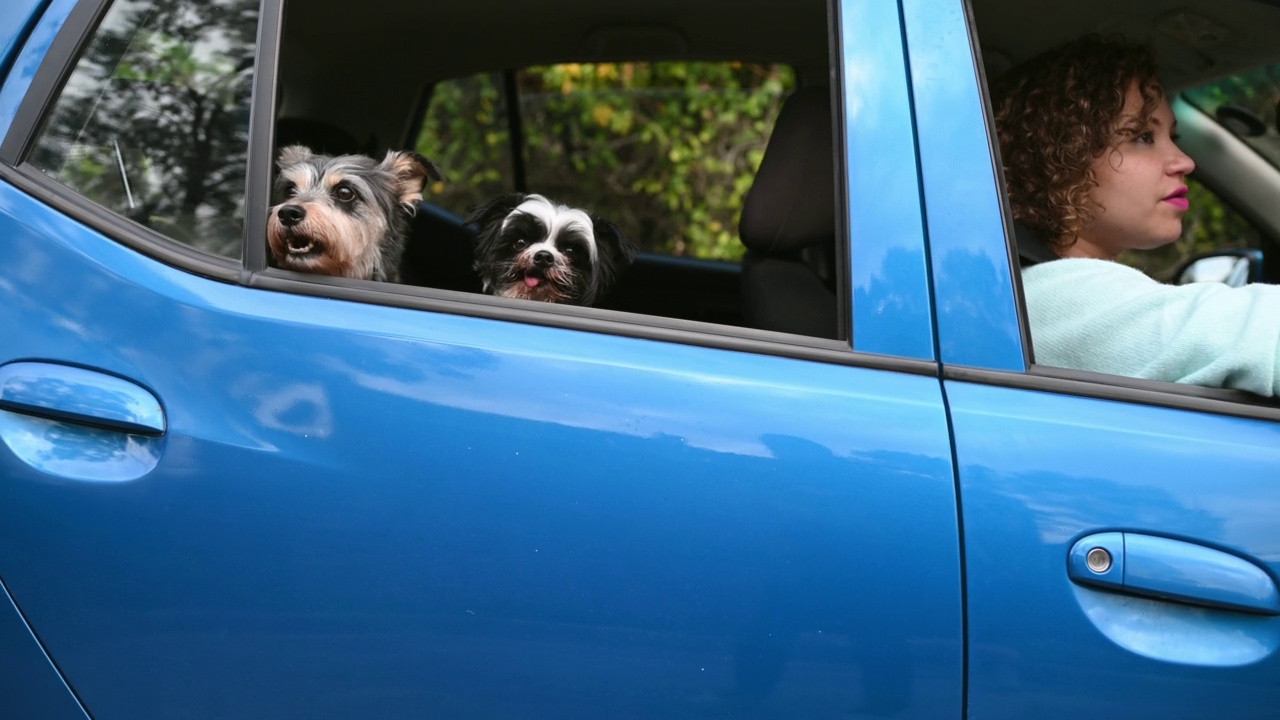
(320, 136)
(1033, 248)
(791, 204)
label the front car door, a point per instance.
(232, 491)
(1120, 536)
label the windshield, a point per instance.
(1245, 104)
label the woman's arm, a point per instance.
(1106, 317)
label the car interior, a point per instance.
(364, 82)
(376, 92)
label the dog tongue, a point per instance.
(531, 281)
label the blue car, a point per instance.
(798, 462)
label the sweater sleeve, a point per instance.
(1105, 317)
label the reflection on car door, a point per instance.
(367, 511)
(1193, 631)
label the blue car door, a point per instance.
(1121, 544)
(231, 491)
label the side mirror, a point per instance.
(1235, 268)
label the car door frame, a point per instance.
(1048, 457)
(37, 83)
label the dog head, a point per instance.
(531, 248)
(346, 215)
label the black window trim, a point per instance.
(252, 271)
(1134, 391)
(840, 183)
(262, 113)
(596, 320)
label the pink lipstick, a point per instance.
(1178, 198)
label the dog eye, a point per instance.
(519, 244)
(571, 251)
(344, 193)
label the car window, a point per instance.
(153, 122)
(1112, 323)
(666, 149)
(660, 155)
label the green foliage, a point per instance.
(666, 151)
(465, 132)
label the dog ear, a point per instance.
(485, 221)
(487, 213)
(616, 248)
(292, 155)
(412, 171)
(615, 253)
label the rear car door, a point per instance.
(1120, 544)
(233, 491)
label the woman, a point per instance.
(1087, 139)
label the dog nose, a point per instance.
(544, 258)
(291, 215)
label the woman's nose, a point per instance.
(1180, 163)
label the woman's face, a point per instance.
(1141, 193)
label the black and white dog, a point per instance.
(346, 215)
(531, 248)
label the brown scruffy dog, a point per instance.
(346, 215)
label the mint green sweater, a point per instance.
(1106, 317)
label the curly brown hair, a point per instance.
(1058, 112)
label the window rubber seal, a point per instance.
(1135, 391)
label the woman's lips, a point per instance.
(1178, 199)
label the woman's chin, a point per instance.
(1159, 240)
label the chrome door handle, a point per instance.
(79, 396)
(1170, 569)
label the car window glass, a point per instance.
(667, 150)
(153, 122)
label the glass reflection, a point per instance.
(154, 121)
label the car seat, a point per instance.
(322, 137)
(788, 224)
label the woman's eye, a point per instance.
(344, 194)
(1146, 138)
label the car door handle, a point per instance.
(79, 396)
(1171, 569)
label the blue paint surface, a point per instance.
(891, 303)
(366, 510)
(220, 501)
